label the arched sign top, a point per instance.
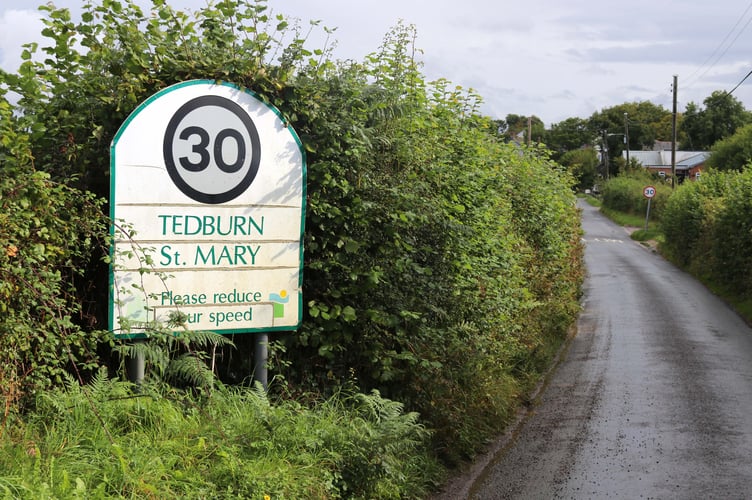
(212, 182)
(210, 137)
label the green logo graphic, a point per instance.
(278, 302)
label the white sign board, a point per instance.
(207, 196)
(648, 192)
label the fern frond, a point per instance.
(100, 384)
(203, 338)
(70, 383)
(260, 394)
(156, 356)
(189, 368)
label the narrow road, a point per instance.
(653, 398)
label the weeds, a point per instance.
(235, 444)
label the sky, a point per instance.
(553, 59)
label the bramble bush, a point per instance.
(48, 233)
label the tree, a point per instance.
(582, 164)
(644, 122)
(734, 152)
(722, 116)
(569, 135)
(517, 127)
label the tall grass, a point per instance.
(103, 441)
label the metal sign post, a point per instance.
(648, 192)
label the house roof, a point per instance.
(662, 159)
(694, 160)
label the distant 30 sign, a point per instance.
(648, 192)
(208, 203)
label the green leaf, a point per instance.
(349, 314)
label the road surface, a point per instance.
(652, 399)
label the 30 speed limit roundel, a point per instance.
(211, 149)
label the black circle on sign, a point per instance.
(201, 149)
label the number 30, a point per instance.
(201, 149)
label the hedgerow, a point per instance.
(48, 234)
(707, 228)
(442, 266)
(625, 194)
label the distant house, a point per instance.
(689, 164)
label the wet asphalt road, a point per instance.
(652, 399)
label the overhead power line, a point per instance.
(737, 85)
(690, 81)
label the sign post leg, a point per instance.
(135, 367)
(647, 215)
(260, 358)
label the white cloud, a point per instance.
(17, 27)
(551, 58)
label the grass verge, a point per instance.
(104, 441)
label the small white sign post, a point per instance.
(207, 196)
(648, 192)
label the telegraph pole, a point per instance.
(673, 136)
(626, 136)
(529, 129)
(605, 151)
